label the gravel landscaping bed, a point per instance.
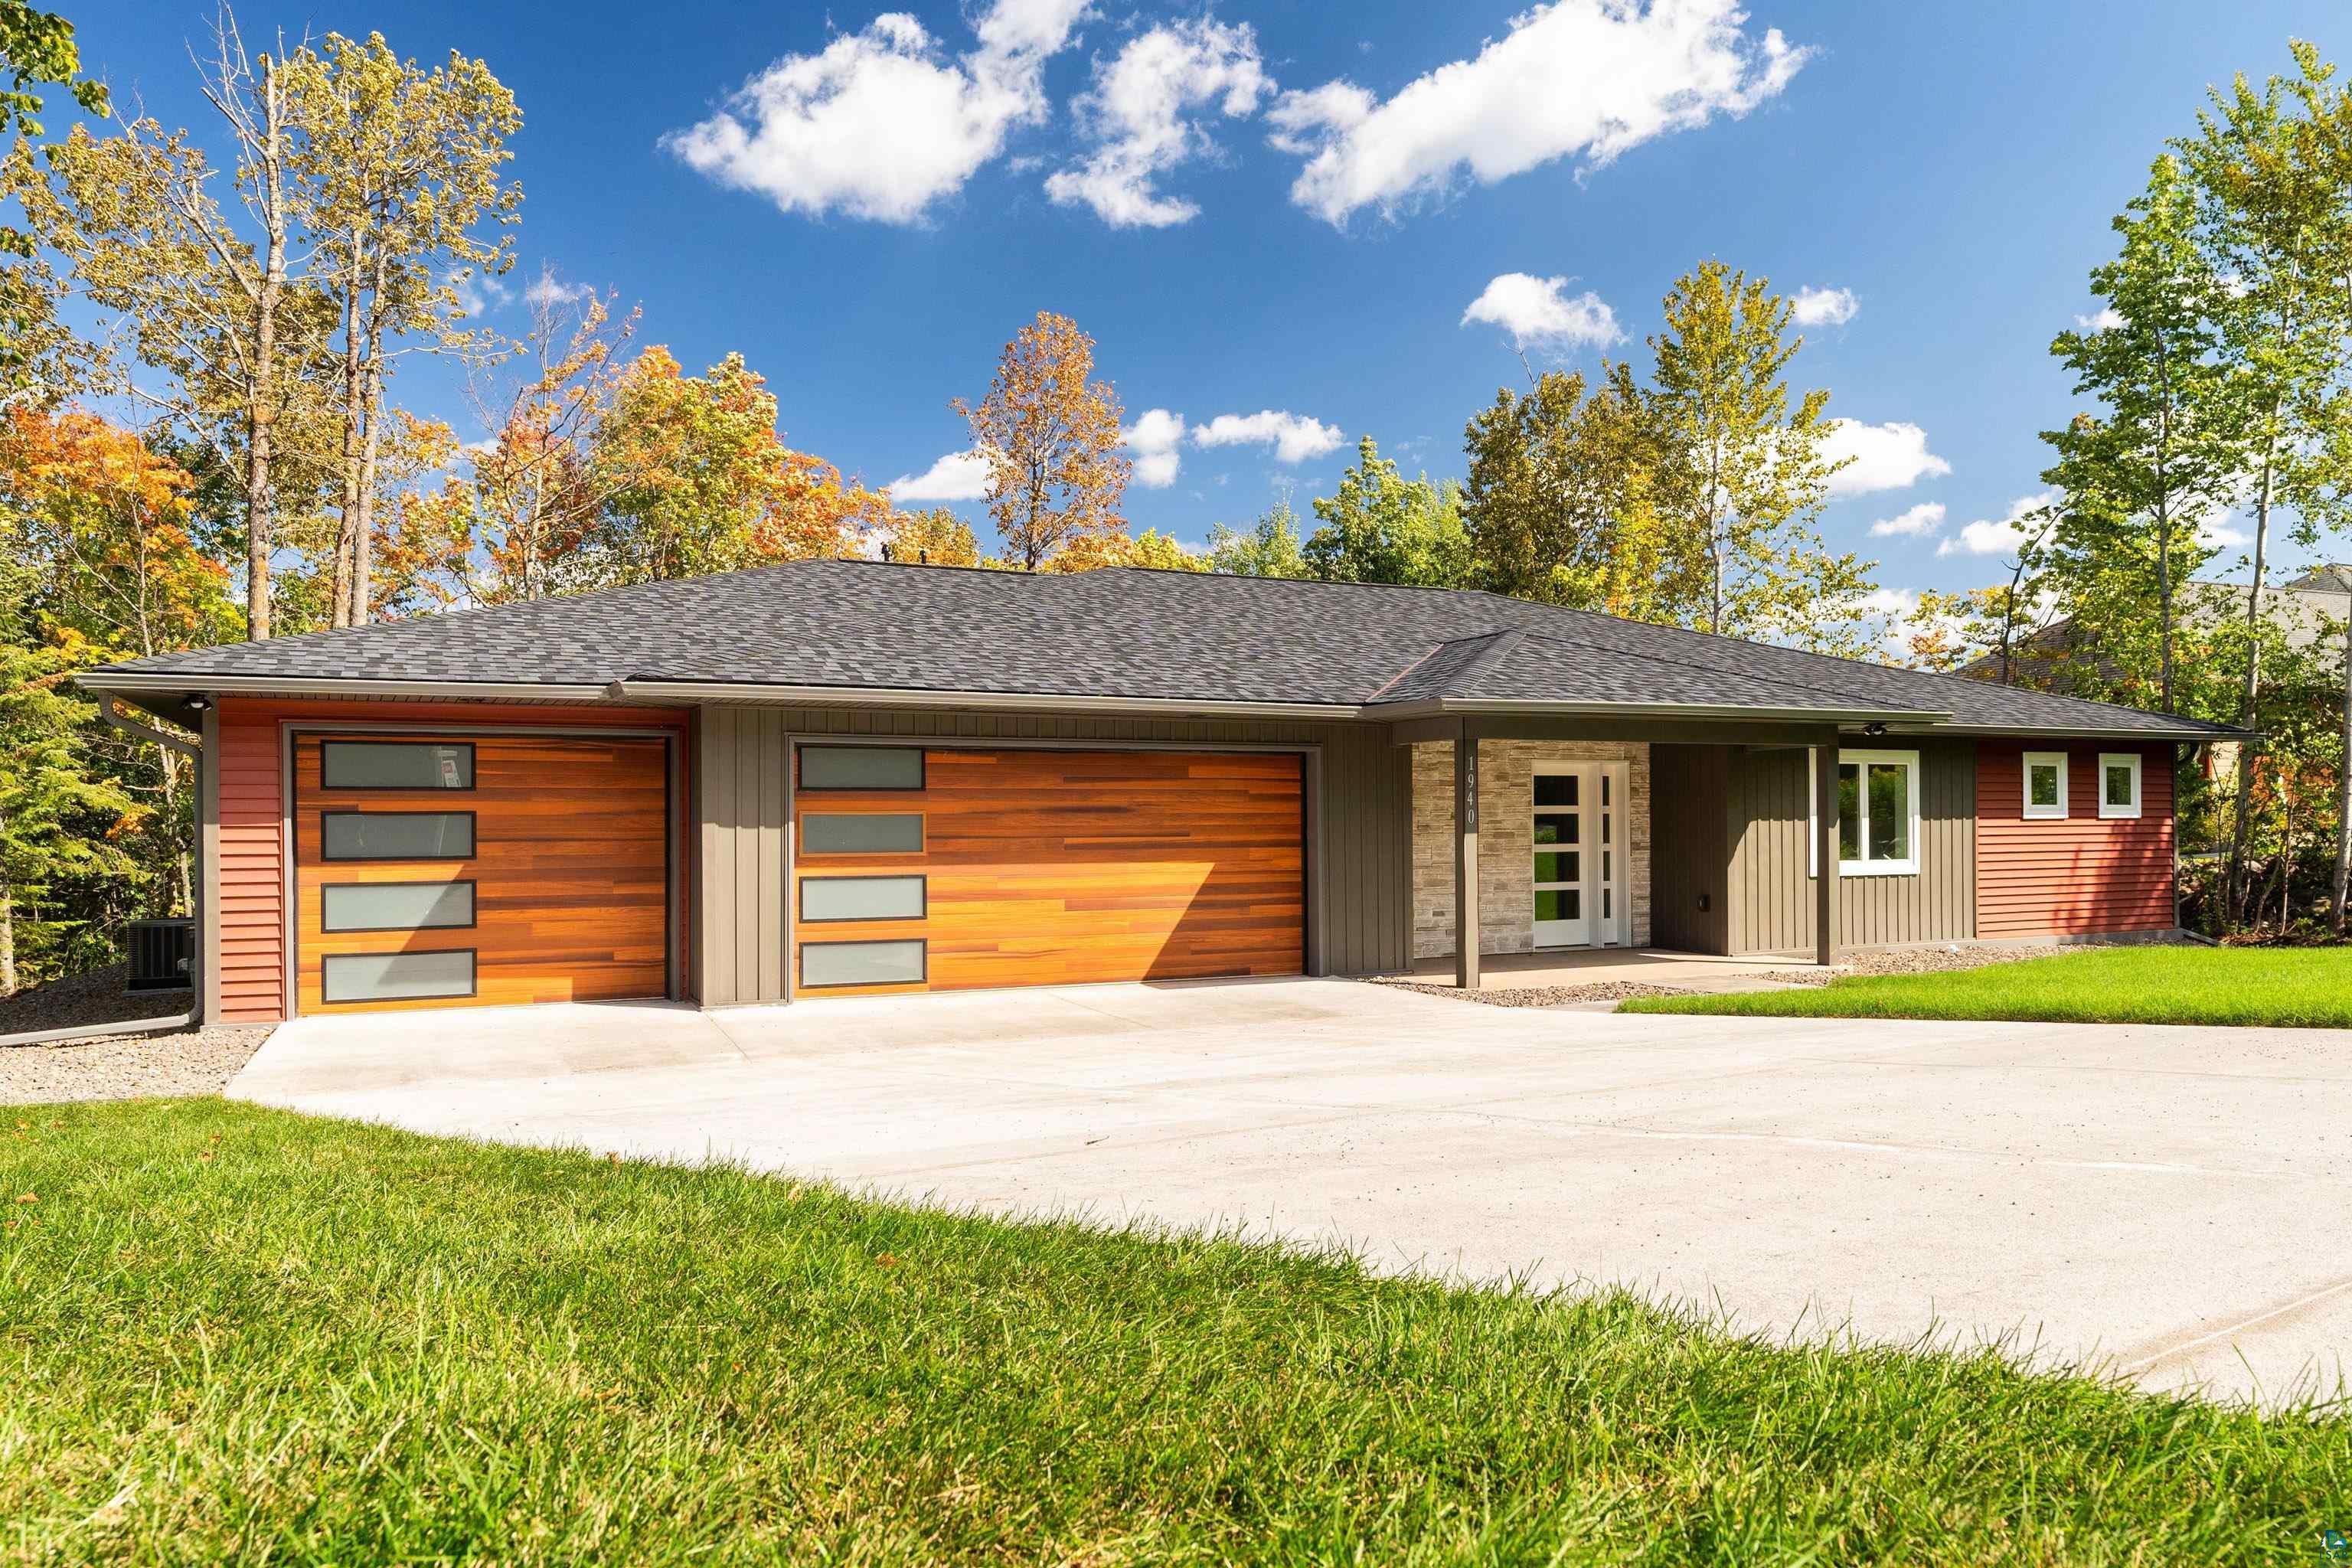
(1541, 995)
(1887, 961)
(127, 1066)
(1963, 955)
(97, 997)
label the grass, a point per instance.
(2308, 988)
(235, 1335)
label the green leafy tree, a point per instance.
(1382, 527)
(2266, 216)
(396, 180)
(59, 820)
(2161, 455)
(1743, 470)
(1560, 505)
(37, 47)
(1268, 548)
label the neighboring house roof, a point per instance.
(847, 627)
(2301, 610)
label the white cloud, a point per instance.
(1294, 437)
(2219, 529)
(880, 124)
(2003, 536)
(1590, 77)
(2105, 320)
(478, 292)
(1539, 311)
(1136, 112)
(1885, 456)
(547, 290)
(1824, 306)
(1154, 439)
(1920, 522)
(959, 475)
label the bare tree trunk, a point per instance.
(2344, 790)
(354, 394)
(371, 445)
(8, 932)
(2164, 524)
(261, 392)
(2242, 818)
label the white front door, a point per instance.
(1579, 854)
(1565, 804)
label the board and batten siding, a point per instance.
(1358, 830)
(1732, 826)
(2080, 873)
(1770, 903)
(1689, 855)
(246, 900)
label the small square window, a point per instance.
(2119, 784)
(2045, 785)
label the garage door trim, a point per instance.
(672, 738)
(1310, 833)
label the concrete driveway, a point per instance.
(2174, 1203)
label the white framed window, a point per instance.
(2119, 784)
(1878, 814)
(2046, 783)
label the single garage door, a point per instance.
(456, 870)
(942, 869)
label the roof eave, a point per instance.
(1446, 707)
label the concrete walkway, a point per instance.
(2174, 1203)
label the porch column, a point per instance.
(1465, 861)
(1825, 849)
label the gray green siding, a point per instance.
(1688, 854)
(1358, 831)
(1730, 824)
(1770, 904)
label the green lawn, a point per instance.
(245, 1336)
(2286, 987)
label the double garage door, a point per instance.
(452, 870)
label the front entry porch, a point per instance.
(1533, 840)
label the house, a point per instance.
(836, 777)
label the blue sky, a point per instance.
(1953, 168)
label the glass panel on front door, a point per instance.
(1562, 802)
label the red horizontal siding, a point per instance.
(2080, 874)
(250, 903)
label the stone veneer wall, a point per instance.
(1506, 873)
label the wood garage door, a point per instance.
(437, 871)
(1039, 867)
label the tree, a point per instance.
(115, 574)
(1051, 435)
(1381, 527)
(393, 171)
(1743, 472)
(1270, 548)
(700, 481)
(36, 47)
(934, 538)
(1559, 502)
(203, 297)
(2140, 478)
(1152, 548)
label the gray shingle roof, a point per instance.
(1179, 637)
